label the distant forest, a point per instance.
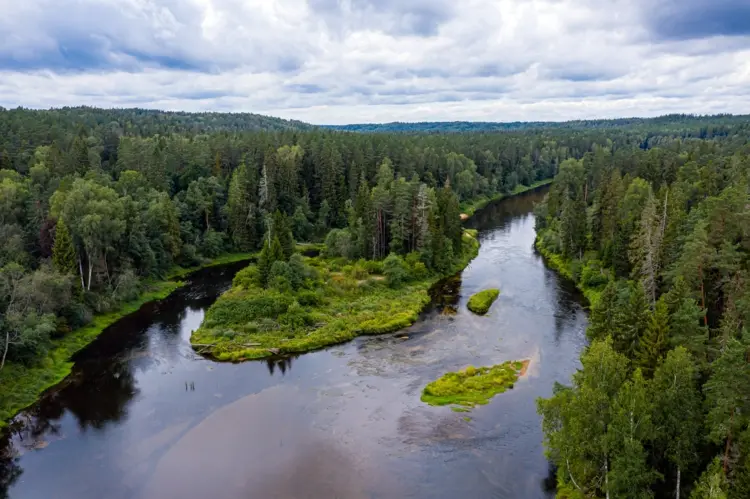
(686, 125)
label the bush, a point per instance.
(310, 298)
(212, 244)
(395, 270)
(280, 276)
(247, 278)
(372, 266)
(592, 275)
(419, 271)
(127, 287)
(339, 243)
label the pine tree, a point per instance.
(654, 343)
(63, 251)
(693, 263)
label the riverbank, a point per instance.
(469, 209)
(347, 301)
(567, 268)
(21, 386)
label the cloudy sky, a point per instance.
(353, 61)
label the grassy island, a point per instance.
(473, 385)
(317, 302)
(480, 303)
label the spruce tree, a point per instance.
(63, 251)
(654, 343)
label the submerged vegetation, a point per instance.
(473, 385)
(480, 303)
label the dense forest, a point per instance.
(660, 243)
(650, 217)
(98, 203)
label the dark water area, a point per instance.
(143, 416)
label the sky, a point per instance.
(361, 61)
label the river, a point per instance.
(144, 417)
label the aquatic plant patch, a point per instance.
(473, 385)
(480, 303)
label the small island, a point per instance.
(473, 385)
(481, 302)
(278, 306)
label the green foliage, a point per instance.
(331, 307)
(395, 270)
(712, 483)
(480, 303)
(63, 252)
(472, 386)
(673, 221)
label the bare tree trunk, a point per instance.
(606, 476)
(677, 491)
(80, 272)
(5, 352)
(91, 267)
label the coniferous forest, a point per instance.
(651, 218)
(659, 243)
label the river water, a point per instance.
(144, 417)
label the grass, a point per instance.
(251, 323)
(472, 386)
(21, 386)
(469, 209)
(480, 303)
(566, 268)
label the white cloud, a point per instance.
(329, 61)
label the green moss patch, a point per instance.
(347, 300)
(480, 303)
(473, 385)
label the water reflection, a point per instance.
(283, 364)
(143, 416)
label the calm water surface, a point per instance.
(144, 417)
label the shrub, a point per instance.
(358, 271)
(212, 244)
(339, 243)
(481, 302)
(127, 287)
(419, 271)
(309, 298)
(372, 266)
(247, 278)
(592, 275)
(395, 270)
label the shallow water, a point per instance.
(143, 416)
